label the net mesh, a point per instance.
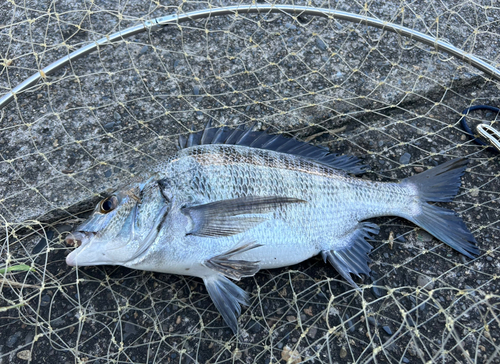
(88, 128)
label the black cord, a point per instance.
(465, 126)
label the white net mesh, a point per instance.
(87, 128)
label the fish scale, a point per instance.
(332, 195)
(234, 201)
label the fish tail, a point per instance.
(441, 184)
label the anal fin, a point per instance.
(227, 298)
(354, 258)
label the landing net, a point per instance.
(87, 128)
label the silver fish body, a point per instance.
(225, 208)
(334, 203)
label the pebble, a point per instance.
(109, 126)
(312, 332)
(418, 169)
(424, 236)
(290, 356)
(45, 301)
(387, 330)
(290, 26)
(371, 321)
(410, 321)
(196, 90)
(322, 295)
(42, 243)
(58, 322)
(425, 281)
(12, 340)
(28, 339)
(24, 355)
(422, 306)
(117, 116)
(320, 44)
(343, 352)
(108, 173)
(349, 323)
(405, 158)
(254, 327)
(377, 291)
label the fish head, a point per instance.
(118, 226)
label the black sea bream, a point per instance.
(234, 201)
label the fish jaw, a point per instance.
(88, 251)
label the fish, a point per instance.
(233, 201)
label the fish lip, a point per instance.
(79, 239)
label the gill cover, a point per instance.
(120, 229)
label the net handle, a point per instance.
(158, 23)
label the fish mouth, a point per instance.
(77, 239)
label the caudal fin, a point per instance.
(441, 184)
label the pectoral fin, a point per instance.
(234, 268)
(232, 216)
(227, 297)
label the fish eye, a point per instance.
(108, 204)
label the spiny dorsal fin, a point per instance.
(277, 143)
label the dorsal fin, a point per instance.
(277, 143)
